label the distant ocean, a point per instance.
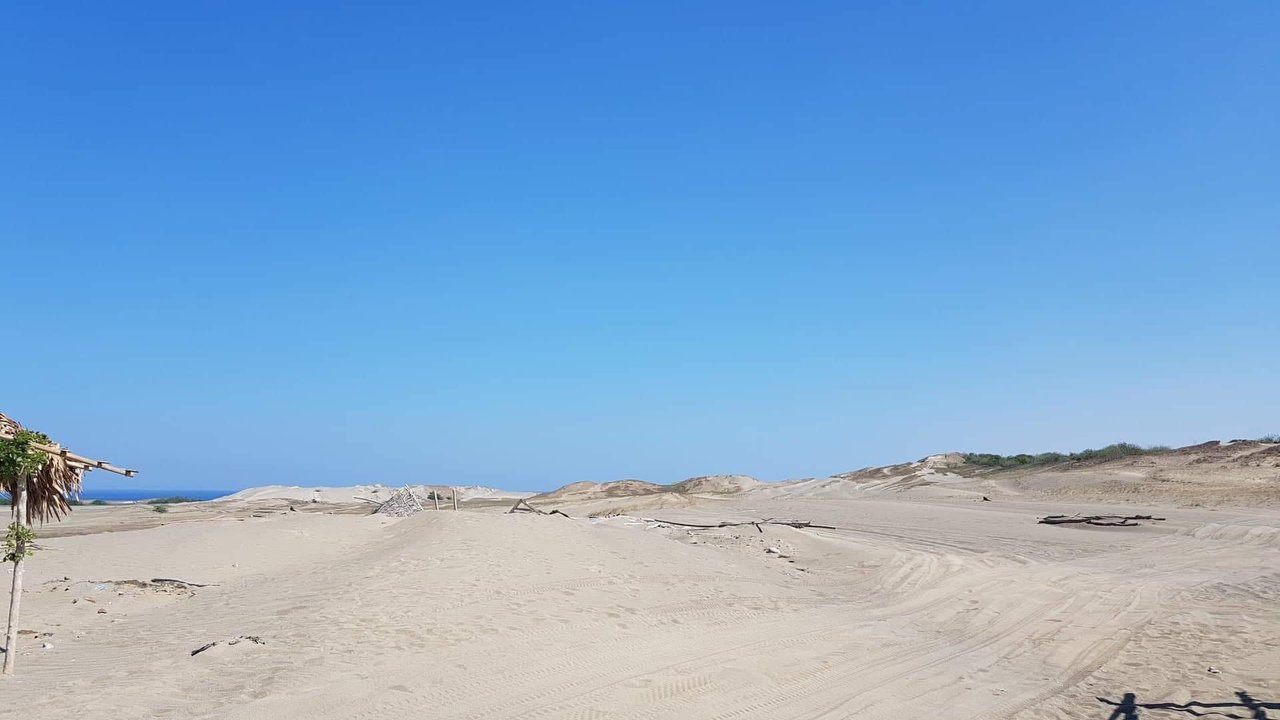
(135, 495)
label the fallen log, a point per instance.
(1112, 523)
(1099, 520)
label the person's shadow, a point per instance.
(1128, 706)
(1126, 709)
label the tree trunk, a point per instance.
(15, 594)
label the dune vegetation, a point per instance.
(172, 500)
(1110, 452)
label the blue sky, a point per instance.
(528, 244)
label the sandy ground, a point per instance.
(919, 605)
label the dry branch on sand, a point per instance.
(1099, 520)
(523, 506)
(180, 583)
(798, 524)
(230, 641)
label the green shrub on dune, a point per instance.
(1110, 452)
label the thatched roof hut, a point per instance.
(50, 490)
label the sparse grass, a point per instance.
(160, 508)
(173, 499)
(1110, 452)
(1272, 438)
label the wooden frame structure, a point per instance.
(77, 462)
(404, 503)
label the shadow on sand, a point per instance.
(1246, 709)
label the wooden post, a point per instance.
(435, 497)
(455, 497)
(15, 593)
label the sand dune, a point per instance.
(702, 485)
(350, 493)
(921, 602)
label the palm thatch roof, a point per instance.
(58, 481)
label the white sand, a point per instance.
(925, 603)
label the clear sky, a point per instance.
(525, 244)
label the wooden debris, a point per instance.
(523, 506)
(402, 504)
(799, 524)
(256, 640)
(168, 586)
(180, 583)
(1099, 520)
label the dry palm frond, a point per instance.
(52, 487)
(8, 426)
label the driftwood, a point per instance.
(799, 524)
(232, 641)
(523, 506)
(182, 583)
(1099, 520)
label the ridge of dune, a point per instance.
(1213, 472)
(376, 491)
(703, 484)
(1244, 466)
(718, 484)
(1236, 472)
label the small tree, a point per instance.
(43, 480)
(20, 462)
